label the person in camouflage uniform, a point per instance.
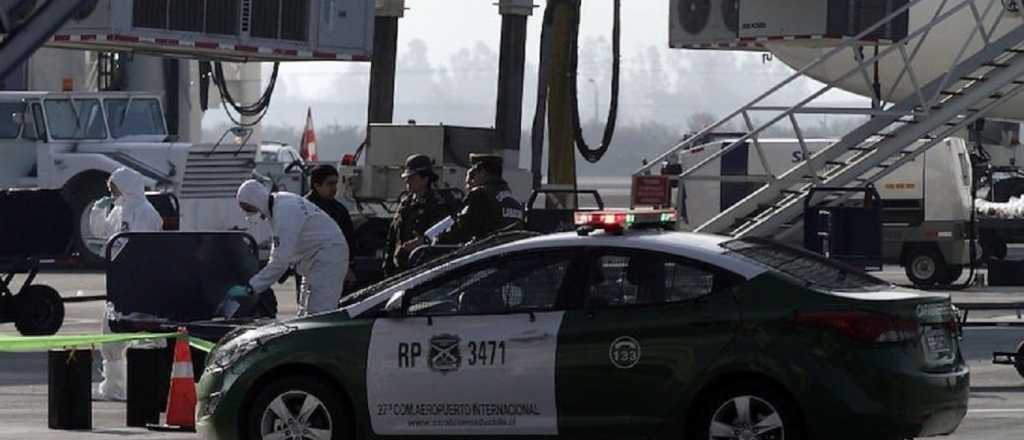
(421, 207)
(489, 205)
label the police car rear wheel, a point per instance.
(299, 408)
(747, 410)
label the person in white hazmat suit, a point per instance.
(303, 236)
(126, 210)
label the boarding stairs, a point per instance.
(987, 72)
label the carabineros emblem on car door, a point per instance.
(444, 356)
(624, 352)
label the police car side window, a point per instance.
(628, 279)
(507, 285)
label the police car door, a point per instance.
(473, 353)
(647, 326)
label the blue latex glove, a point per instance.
(236, 292)
(104, 203)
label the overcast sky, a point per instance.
(449, 25)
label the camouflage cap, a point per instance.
(418, 164)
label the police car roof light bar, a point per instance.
(616, 222)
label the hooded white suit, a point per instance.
(131, 213)
(306, 237)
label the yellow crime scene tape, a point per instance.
(40, 343)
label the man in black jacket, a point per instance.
(324, 183)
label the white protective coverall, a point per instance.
(131, 212)
(303, 236)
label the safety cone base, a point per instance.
(169, 428)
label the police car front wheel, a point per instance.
(299, 408)
(747, 411)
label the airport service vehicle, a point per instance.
(280, 163)
(73, 141)
(618, 330)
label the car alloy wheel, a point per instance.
(747, 418)
(296, 415)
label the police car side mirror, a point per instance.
(393, 308)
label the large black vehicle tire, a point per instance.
(330, 418)
(82, 196)
(926, 267)
(770, 414)
(39, 311)
(953, 274)
(1018, 363)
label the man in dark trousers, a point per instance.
(420, 208)
(489, 206)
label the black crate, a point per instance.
(70, 389)
(1005, 272)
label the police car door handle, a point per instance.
(531, 338)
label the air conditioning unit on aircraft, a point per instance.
(234, 30)
(704, 23)
(818, 19)
(748, 24)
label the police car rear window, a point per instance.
(811, 269)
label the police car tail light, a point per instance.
(619, 220)
(862, 326)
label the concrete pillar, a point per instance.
(383, 64)
(511, 69)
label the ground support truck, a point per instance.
(73, 141)
(927, 203)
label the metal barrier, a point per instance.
(181, 276)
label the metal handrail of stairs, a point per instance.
(931, 112)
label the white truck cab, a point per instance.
(50, 139)
(73, 141)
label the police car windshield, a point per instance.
(809, 268)
(489, 242)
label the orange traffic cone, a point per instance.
(181, 398)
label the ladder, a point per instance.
(894, 134)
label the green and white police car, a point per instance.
(625, 332)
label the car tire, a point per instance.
(770, 414)
(329, 417)
(1018, 362)
(926, 267)
(82, 199)
(39, 311)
